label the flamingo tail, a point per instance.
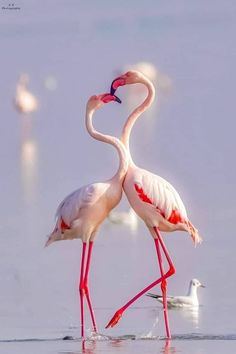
(194, 233)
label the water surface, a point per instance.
(188, 138)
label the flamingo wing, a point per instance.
(157, 191)
(69, 208)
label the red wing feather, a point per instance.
(64, 226)
(145, 198)
(175, 217)
(142, 195)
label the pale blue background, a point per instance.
(189, 140)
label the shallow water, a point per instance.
(188, 138)
(179, 344)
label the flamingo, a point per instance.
(81, 213)
(128, 218)
(153, 198)
(25, 101)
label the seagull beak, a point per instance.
(202, 286)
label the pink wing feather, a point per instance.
(69, 208)
(157, 191)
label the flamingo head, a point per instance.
(131, 77)
(96, 102)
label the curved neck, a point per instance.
(123, 165)
(136, 113)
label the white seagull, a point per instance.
(189, 300)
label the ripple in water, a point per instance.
(149, 336)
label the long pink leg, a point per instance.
(170, 272)
(163, 283)
(86, 288)
(81, 289)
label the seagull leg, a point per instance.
(86, 288)
(81, 288)
(163, 282)
(115, 319)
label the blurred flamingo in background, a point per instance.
(128, 218)
(153, 199)
(81, 213)
(25, 101)
(152, 73)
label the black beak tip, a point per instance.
(117, 99)
(112, 89)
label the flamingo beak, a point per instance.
(117, 99)
(120, 81)
(109, 98)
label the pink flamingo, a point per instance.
(153, 199)
(81, 213)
